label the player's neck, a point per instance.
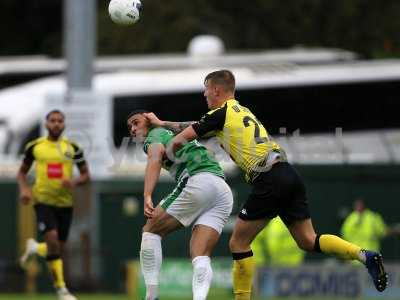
(53, 138)
(222, 102)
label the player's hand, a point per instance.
(153, 119)
(68, 184)
(148, 207)
(26, 196)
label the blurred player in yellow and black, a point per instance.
(54, 157)
(277, 188)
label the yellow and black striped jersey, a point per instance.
(242, 136)
(54, 162)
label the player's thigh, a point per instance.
(203, 240)
(64, 220)
(263, 201)
(162, 223)
(216, 199)
(195, 196)
(292, 195)
(45, 218)
(244, 232)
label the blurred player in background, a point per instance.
(274, 246)
(365, 227)
(201, 198)
(277, 187)
(54, 157)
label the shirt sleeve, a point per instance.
(28, 154)
(79, 157)
(157, 136)
(212, 121)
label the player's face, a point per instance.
(138, 126)
(211, 94)
(359, 205)
(55, 125)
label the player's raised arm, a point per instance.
(180, 140)
(175, 127)
(155, 153)
(206, 127)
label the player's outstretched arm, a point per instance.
(155, 153)
(180, 140)
(176, 127)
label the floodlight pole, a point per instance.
(82, 106)
(79, 42)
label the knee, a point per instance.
(53, 243)
(307, 243)
(236, 245)
(199, 251)
(152, 227)
(232, 244)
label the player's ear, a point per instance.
(218, 89)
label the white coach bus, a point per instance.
(298, 94)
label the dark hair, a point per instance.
(135, 112)
(54, 111)
(224, 78)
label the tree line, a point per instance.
(370, 28)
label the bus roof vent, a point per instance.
(206, 46)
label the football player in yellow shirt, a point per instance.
(54, 157)
(277, 188)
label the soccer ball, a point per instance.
(125, 12)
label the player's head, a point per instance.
(138, 124)
(359, 205)
(55, 123)
(219, 87)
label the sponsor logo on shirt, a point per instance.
(55, 170)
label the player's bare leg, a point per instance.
(55, 264)
(151, 251)
(306, 238)
(304, 234)
(202, 242)
(243, 271)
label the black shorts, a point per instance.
(278, 192)
(52, 217)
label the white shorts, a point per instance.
(203, 198)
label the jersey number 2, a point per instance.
(257, 138)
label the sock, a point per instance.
(41, 249)
(362, 257)
(150, 262)
(55, 266)
(202, 275)
(243, 272)
(331, 244)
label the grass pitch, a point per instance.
(123, 297)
